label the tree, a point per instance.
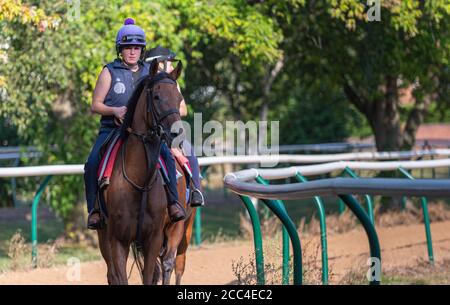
(371, 61)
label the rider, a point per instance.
(165, 58)
(114, 87)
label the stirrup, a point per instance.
(192, 204)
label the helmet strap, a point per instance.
(142, 53)
(118, 50)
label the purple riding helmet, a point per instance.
(130, 34)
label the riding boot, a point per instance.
(176, 211)
(196, 198)
(94, 221)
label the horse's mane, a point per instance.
(132, 102)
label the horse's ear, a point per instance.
(153, 67)
(177, 71)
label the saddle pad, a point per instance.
(107, 163)
(108, 159)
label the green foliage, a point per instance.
(329, 120)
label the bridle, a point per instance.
(156, 133)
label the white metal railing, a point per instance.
(308, 170)
(76, 169)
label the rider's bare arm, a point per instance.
(100, 92)
(183, 107)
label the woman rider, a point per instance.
(114, 87)
(164, 58)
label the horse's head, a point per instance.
(164, 100)
(154, 107)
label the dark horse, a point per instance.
(135, 200)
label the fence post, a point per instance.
(14, 184)
(34, 208)
(295, 240)
(198, 226)
(198, 215)
(285, 270)
(368, 198)
(257, 239)
(341, 206)
(323, 231)
(426, 218)
(374, 243)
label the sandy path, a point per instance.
(211, 264)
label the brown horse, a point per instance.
(135, 199)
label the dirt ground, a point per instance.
(212, 263)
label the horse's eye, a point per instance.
(156, 97)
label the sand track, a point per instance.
(211, 264)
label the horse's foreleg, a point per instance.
(174, 234)
(151, 251)
(119, 251)
(180, 261)
(105, 249)
(157, 272)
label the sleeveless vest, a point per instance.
(122, 87)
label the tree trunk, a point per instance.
(385, 119)
(385, 123)
(267, 87)
(387, 128)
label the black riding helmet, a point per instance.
(160, 54)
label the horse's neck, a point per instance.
(135, 147)
(139, 122)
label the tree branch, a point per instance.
(415, 118)
(268, 80)
(270, 77)
(361, 104)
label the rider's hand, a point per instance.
(119, 112)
